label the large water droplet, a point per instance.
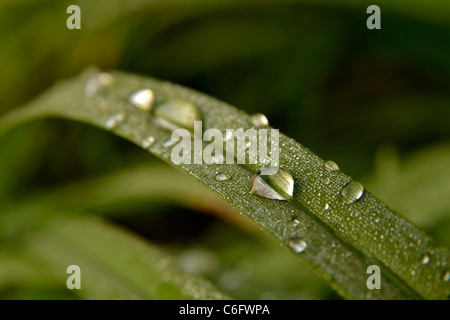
(278, 186)
(352, 191)
(114, 120)
(331, 166)
(425, 259)
(222, 177)
(297, 244)
(259, 120)
(142, 99)
(177, 113)
(148, 142)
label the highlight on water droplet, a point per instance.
(148, 142)
(425, 259)
(297, 244)
(114, 120)
(142, 99)
(222, 177)
(331, 166)
(352, 191)
(294, 223)
(259, 120)
(177, 113)
(279, 186)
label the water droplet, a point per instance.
(294, 223)
(352, 191)
(413, 272)
(259, 120)
(279, 186)
(147, 142)
(222, 177)
(331, 166)
(425, 259)
(142, 99)
(446, 276)
(326, 180)
(114, 120)
(95, 82)
(326, 207)
(177, 113)
(297, 244)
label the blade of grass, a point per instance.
(114, 264)
(342, 239)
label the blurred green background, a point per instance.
(375, 101)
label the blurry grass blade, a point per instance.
(339, 237)
(113, 263)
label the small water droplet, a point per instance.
(177, 113)
(147, 142)
(352, 191)
(294, 223)
(331, 166)
(326, 180)
(222, 177)
(326, 207)
(425, 259)
(446, 276)
(297, 244)
(259, 120)
(278, 186)
(114, 120)
(142, 99)
(413, 272)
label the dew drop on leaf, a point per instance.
(352, 191)
(259, 120)
(222, 177)
(425, 259)
(114, 120)
(294, 223)
(148, 142)
(177, 113)
(142, 99)
(446, 276)
(331, 166)
(278, 186)
(297, 244)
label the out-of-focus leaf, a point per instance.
(114, 264)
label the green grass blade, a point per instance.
(114, 264)
(342, 239)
